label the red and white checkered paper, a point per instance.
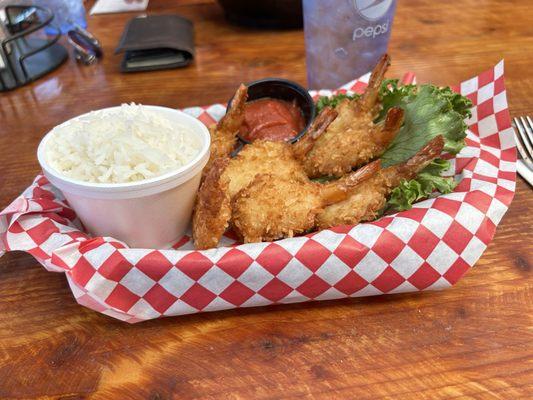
(428, 247)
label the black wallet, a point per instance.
(156, 42)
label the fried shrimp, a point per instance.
(212, 210)
(274, 158)
(265, 192)
(368, 198)
(261, 157)
(273, 207)
(226, 177)
(352, 139)
(224, 134)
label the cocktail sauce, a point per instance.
(271, 119)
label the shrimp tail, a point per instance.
(224, 134)
(232, 121)
(339, 190)
(317, 128)
(390, 128)
(410, 168)
(370, 96)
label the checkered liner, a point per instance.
(428, 247)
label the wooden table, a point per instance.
(472, 341)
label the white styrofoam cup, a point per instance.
(151, 213)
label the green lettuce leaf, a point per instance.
(427, 181)
(333, 101)
(429, 111)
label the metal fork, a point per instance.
(524, 142)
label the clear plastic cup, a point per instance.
(67, 15)
(151, 213)
(344, 39)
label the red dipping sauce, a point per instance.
(271, 119)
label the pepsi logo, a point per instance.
(372, 9)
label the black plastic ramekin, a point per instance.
(283, 89)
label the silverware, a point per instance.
(524, 143)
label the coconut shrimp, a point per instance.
(274, 157)
(353, 139)
(367, 199)
(274, 207)
(226, 177)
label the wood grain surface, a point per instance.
(472, 341)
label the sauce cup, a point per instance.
(283, 89)
(151, 213)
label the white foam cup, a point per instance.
(152, 213)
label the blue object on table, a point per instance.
(67, 15)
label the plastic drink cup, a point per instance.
(67, 15)
(344, 38)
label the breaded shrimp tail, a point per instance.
(319, 125)
(385, 134)
(212, 210)
(336, 191)
(232, 121)
(426, 154)
(410, 169)
(370, 96)
(224, 134)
